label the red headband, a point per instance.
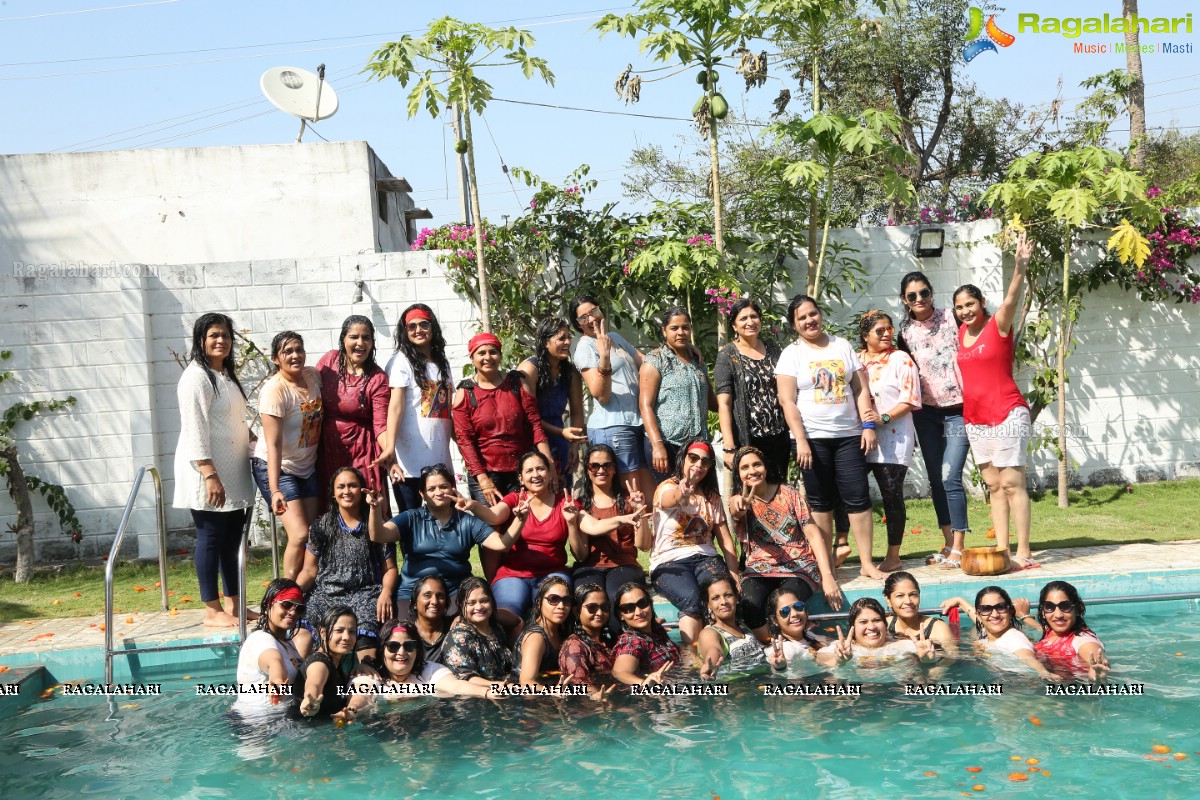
(704, 447)
(290, 593)
(417, 313)
(480, 339)
(399, 629)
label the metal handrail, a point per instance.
(274, 544)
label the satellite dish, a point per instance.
(300, 93)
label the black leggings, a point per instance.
(890, 480)
(755, 591)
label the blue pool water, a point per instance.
(881, 744)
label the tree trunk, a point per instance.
(718, 217)
(1063, 333)
(460, 163)
(1137, 91)
(480, 271)
(811, 284)
(18, 490)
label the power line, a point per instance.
(89, 10)
(503, 166)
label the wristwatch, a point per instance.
(885, 418)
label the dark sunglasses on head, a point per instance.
(556, 599)
(594, 608)
(290, 605)
(394, 647)
(597, 466)
(923, 294)
(629, 608)
(985, 610)
(425, 471)
(1064, 606)
(786, 611)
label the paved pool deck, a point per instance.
(147, 628)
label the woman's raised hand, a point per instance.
(570, 510)
(844, 649)
(603, 340)
(656, 678)
(926, 651)
(739, 504)
(777, 658)
(522, 509)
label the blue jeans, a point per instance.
(516, 594)
(626, 441)
(293, 487)
(944, 447)
(679, 581)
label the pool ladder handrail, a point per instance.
(161, 518)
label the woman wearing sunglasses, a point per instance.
(1067, 642)
(903, 595)
(586, 657)
(724, 642)
(419, 429)
(999, 628)
(930, 336)
(895, 386)
(644, 653)
(403, 665)
(274, 650)
(688, 519)
(614, 518)
(791, 638)
(477, 649)
(536, 653)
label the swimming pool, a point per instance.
(880, 744)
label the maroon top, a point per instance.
(356, 409)
(989, 391)
(503, 425)
(613, 549)
(542, 546)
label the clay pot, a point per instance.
(985, 561)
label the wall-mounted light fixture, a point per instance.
(929, 242)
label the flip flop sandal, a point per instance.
(1020, 564)
(954, 561)
(937, 558)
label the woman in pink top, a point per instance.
(995, 412)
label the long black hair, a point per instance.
(369, 366)
(545, 380)
(282, 338)
(587, 495)
(470, 584)
(197, 356)
(711, 581)
(1073, 596)
(535, 613)
(581, 593)
(410, 629)
(748, 450)
(328, 620)
(268, 599)
(656, 627)
(573, 308)
(1013, 621)
(708, 484)
(437, 347)
(914, 277)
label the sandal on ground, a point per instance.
(1021, 563)
(953, 561)
(937, 558)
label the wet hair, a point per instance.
(277, 344)
(328, 620)
(416, 590)
(369, 366)
(587, 494)
(268, 599)
(748, 450)
(794, 306)
(772, 612)
(913, 277)
(581, 593)
(364, 508)
(535, 613)
(738, 307)
(199, 333)
(671, 313)
(894, 579)
(708, 484)
(711, 581)
(436, 469)
(573, 308)
(532, 454)
(655, 626)
(1013, 622)
(867, 322)
(469, 585)
(864, 603)
(566, 368)
(437, 348)
(385, 634)
(974, 291)
(1073, 596)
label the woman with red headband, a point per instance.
(495, 421)
(273, 651)
(419, 428)
(688, 518)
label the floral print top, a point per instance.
(933, 345)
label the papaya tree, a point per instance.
(444, 67)
(1064, 194)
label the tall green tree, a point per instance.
(444, 66)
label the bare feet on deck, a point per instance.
(219, 619)
(871, 571)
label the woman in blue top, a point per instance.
(437, 537)
(609, 366)
(555, 382)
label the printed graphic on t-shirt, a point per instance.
(829, 382)
(692, 530)
(310, 423)
(435, 400)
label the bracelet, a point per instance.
(729, 449)
(277, 491)
(212, 475)
(656, 443)
(868, 426)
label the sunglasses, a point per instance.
(923, 294)
(786, 611)
(595, 466)
(987, 611)
(557, 599)
(702, 460)
(394, 647)
(629, 608)
(290, 605)
(420, 325)
(595, 608)
(593, 314)
(426, 471)
(1064, 606)
(882, 331)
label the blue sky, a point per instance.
(184, 73)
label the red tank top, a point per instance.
(989, 391)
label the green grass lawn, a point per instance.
(1155, 512)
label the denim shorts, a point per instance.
(293, 488)
(516, 594)
(627, 441)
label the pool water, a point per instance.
(882, 744)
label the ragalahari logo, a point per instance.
(992, 35)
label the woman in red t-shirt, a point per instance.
(542, 523)
(995, 412)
